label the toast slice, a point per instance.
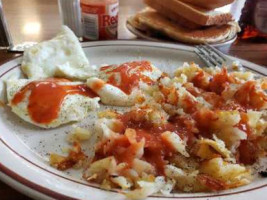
(165, 11)
(150, 20)
(209, 4)
(200, 16)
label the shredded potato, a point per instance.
(74, 158)
(233, 174)
(208, 148)
(107, 114)
(175, 141)
(79, 134)
(195, 132)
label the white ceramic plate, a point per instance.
(144, 35)
(23, 147)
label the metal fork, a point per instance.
(213, 57)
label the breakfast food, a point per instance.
(170, 14)
(198, 131)
(152, 22)
(120, 85)
(195, 14)
(50, 102)
(186, 21)
(209, 4)
(61, 56)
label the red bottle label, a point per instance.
(100, 22)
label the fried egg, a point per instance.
(120, 85)
(62, 56)
(51, 102)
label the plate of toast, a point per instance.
(185, 21)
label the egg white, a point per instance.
(112, 95)
(75, 107)
(61, 56)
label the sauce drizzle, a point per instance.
(46, 97)
(130, 74)
(157, 151)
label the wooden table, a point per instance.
(37, 20)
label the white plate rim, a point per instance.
(12, 174)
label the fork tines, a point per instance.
(211, 56)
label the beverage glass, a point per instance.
(70, 13)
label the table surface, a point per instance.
(37, 20)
